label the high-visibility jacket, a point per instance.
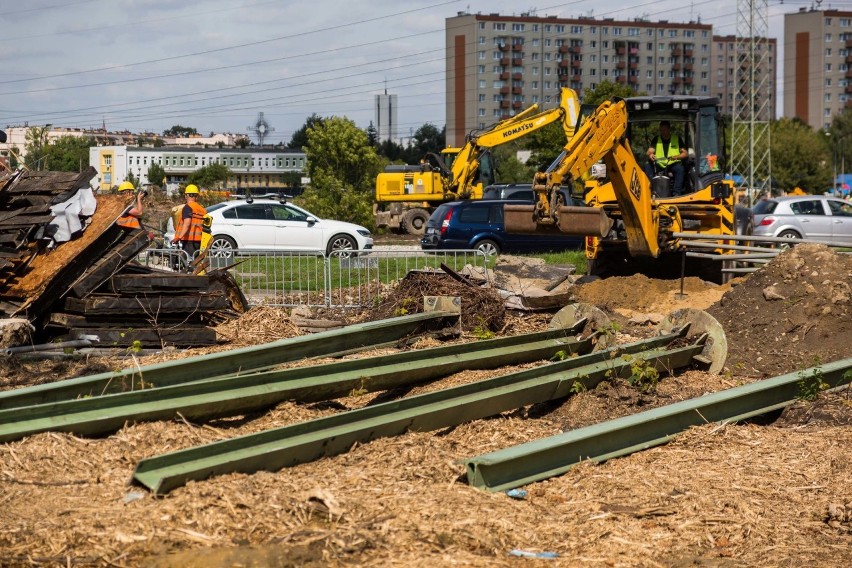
(128, 221)
(664, 159)
(196, 224)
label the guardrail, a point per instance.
(343, 279)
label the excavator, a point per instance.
(631, 223)
(407, 194)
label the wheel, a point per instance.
(221, 246)
(342, 245)
(414, 221)
(788, 234)
(488, 247)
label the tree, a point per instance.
(300, 137)
(545, 144)
(839, 142)
(427, 139)
(178, 131)
(68, 154)
(241, 142)
(799, 155)
(35, 142)
(606, 90)
(372, 135)
(212, 176)
(343, 168)
(509, 168)
(157, 175)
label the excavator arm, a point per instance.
(603, 136)
(466, 164)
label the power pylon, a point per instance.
(750, 155)
(261, 128)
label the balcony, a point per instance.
(620, 65)
(849, 43)
(564, 63)
(517, 46)
(849, 58)
(848, 89)
(504, 104)
(621, 79)
(634, 51)
(575, 49)
(848, 104)
(687, 80)
(504, 61)
(504, 76)
(517, 90)
(687, 53)
(563, 78)
(576, 78)
(634, 66)
(677, 80)
(504, 90)
(563, 49)
(620, 51)
(576, 64)
(516, 105)
(503, 47)
(688, 67)
(677, 52)
(633, 79)
(849, 73)
(517, 62)
(676, 67)
(517, 77)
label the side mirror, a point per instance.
(311, 219)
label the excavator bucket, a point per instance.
(580, 221)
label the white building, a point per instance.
(267, 170)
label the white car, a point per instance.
(269, 224)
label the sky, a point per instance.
(214, 65)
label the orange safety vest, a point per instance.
(196, 224)
(128, 221)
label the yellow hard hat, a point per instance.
(125, 185)
(191, 188)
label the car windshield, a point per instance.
(215, 206)
(764, 207)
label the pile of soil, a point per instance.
(794, 313)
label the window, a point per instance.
(480, 69)
(482, 40)
(672, 33)
(498, 27)
(828, 21)
(593, 30)
(828, 97)
(560, 29)
(633, 31)
(828, 52)
(517, 27)
(593, 43)
(808, 207)
(482, 83)
(661, 47)
(704, 61)
(535, 27)
(616, 31)
(649, 46)
(593, 58)
(649, 60)
(828, 66)
(481, 112)
(827, 38)
(482, 55)
(576, 29)
(704, 33)
(844, 22)
(535, 42)
(593, 72)
(481, 25)
(689, 33)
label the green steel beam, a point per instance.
(239, 394)
(331, 435)
(541, 459)
(223, 363)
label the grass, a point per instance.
(575, 257)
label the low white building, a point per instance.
(260, 170)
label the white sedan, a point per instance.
(268, 224)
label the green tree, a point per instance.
(545, 144)
(212, 176)
(343, 168)
(300, 137)
(606, 90)
(241, 142)
(427, 139)
(157, 175)
(799, 155)
(68, 154)
(509, 168)
(839, 142)
(178, 131)
(35, 144)
(372, 135)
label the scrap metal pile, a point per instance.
(69, 270)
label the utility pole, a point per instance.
(750, 139)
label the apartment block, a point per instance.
(817, 65)
(726, 58)
(498, 65)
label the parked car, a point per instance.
(808, 217)
(524, 191)
(479, 225)
(269, 224)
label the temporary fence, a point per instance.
(342, 279)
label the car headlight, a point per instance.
(364, 232)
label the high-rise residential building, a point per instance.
(723, 69)
(386, 123)
(498, 65)
(817, 65)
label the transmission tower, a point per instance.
(261, 128)
(750, 156)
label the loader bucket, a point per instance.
(583, 221)
(520, 219)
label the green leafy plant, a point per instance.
(481, 331)
(811, 385)
(578, 387)
(643, 375)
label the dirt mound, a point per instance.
(794, 313)
(638, 293)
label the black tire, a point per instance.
(414, 221)
(220, 251)
(788, 234)
(488, 247)
(342, 244)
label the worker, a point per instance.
(130, 219)
(666, 155)
(188, 232)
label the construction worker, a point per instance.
(667, 155)
(130, 219)
(188, 232)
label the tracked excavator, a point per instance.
(407, 194)
(631, 221)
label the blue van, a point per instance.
(479, 225)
